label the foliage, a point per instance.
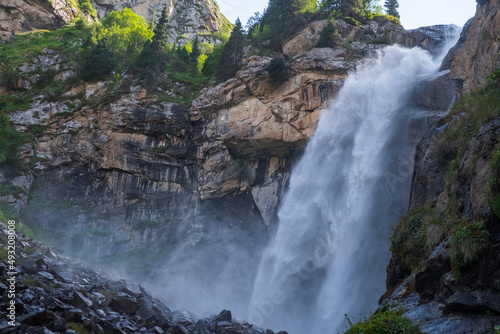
(86, 7)
(123, 32)
(229, 62)
(385, 322)
(328, 36)
(464, 120)
(28, 48)
(211, 64)
(416, 235)
(100, 64)
(277, 70)
(10, 141)
(154, 55)
(391, 7)
(467, 242)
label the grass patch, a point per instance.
(416, 235)
(468, 241)
(385, 322)
(465, 119)
(78, 328)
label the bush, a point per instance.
(385, 322)
(124, 32)
(415, 236)
(277, 70)
(10, 141)
(327, 37)
(99, 65)
(467, 243)
(86, 7)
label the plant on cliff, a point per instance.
(100, 63)
(468, 241)
(277, 71)
(383, 322)
(124, 32)
(415, 236)
(10, 141)
(229, 62)
(328, 36)
(86, 7)
(154, 55)
(391, 7)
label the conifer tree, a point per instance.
(195, 51)
(232, 53)
(153, 57)
(391, 7)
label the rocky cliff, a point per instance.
(444, 270)
(18, 16)
(186, 18)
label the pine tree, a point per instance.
(327, 37)
(195, 52)
(232, 53)
(391, 7)
(346, 8)
(160, 39)
(352, 8)
(153, 58)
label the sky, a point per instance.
(413, 13)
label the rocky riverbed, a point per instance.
(56, 294)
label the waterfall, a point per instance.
(331, 248)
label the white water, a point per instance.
(330, 251)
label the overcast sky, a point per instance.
(413, 13)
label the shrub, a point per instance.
(467, 243)
(10, 141)
(86, 7)
(328, 36)
(99, 65)
(277, 70)
(124, 32)
(385, 322)
(415, 236)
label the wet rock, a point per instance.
(434, 94)
(179, 329)
(225, 315)
(438, 264)
(476, 301)
(124, 303)
(80, 301)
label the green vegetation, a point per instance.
(232, 53)
(421, 230)
(277, 70)
(415, 236)
(86, 7)
(467, 243)
(384, 322)
(78, 328)
(328, 37)
(391, 7)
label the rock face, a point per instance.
(186, 17)
(17, 16)
(436, 297)
(478, 56)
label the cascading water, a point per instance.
(330, 251)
